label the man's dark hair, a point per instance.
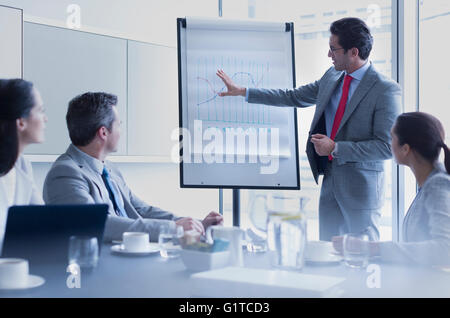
(87, 113)
(353, 32)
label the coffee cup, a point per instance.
(318, 250)
(135, 241)
(13, 273)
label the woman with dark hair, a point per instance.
(417, 140)
(22, 122)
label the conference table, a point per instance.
(155, 277)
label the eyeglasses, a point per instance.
(332, 49)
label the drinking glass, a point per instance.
(356, 250)
(170, 241)
(83, 251)
(255, 243)
(256, 234)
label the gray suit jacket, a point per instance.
(26, 192)
(75, 178)
(426, 227)
(364, 134)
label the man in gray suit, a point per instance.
(349, 137)
(82, 176)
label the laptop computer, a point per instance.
(41, 233)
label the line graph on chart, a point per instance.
(209, 106)
(233, 112)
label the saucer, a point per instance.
(330, 259)
(33, 282)
(151, 248)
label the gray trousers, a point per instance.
(339, 215)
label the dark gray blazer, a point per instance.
(364, 134)
(75, 178)
(363, 137)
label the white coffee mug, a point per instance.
(13, 273)
(135, 241)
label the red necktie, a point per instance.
(341, 109)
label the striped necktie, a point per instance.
(113, 195)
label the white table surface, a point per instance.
(153, 276)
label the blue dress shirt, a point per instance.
(330, 110)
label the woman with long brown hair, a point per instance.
(417, 141)
(22, 122)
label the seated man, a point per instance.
(82, 176)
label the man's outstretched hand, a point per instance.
(233, 89)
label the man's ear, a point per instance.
(354, 52)
(21, 124)
(102, 133)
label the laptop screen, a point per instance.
(41, 233)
